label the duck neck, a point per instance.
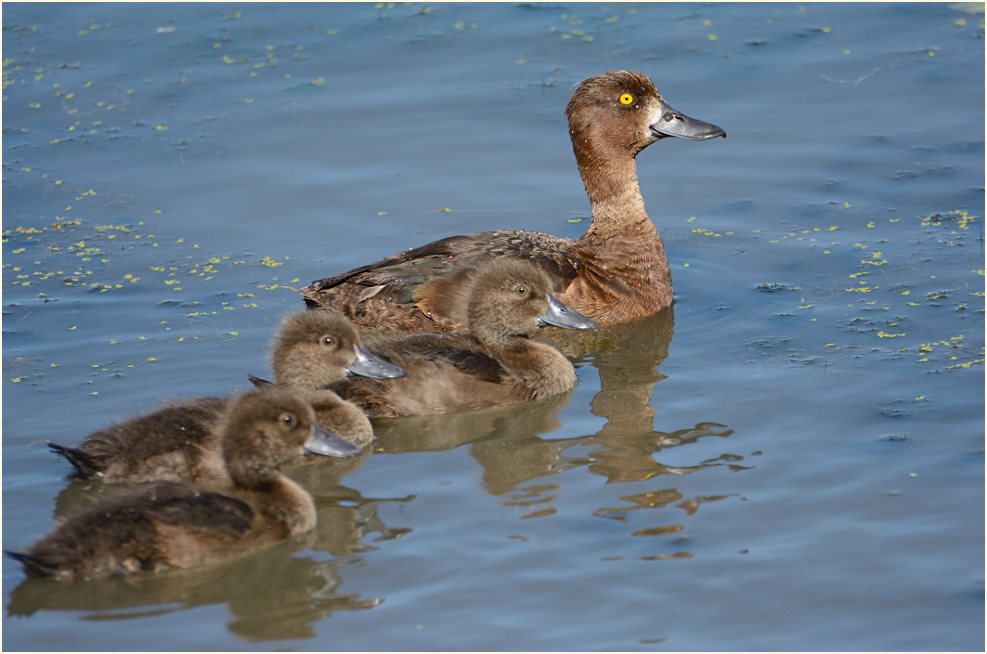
(280, 499)
(321, 395)
(304, 375)
(497, 337)
(611, 183)
(339, 416)
(539, 368)
(256, 480)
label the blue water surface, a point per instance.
(790, 458)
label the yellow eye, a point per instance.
(626, 98)
(521, 290)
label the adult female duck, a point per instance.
(616, 271)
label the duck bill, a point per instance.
(560, 315)
(368, 364)
(326, 444)
(676, 124)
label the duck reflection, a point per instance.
(271, 594)
(452, 430)
(345, 516)
(507, 441)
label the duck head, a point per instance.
(320, 347)
(622, 112)
(512, 298)
(265, 428)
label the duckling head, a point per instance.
(319, 347)
(265, 428)
(511, 298)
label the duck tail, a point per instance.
(259, 382)
(84, 464)
(32, 564)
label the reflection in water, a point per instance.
(345, 517)
(627, 357)
(451, 430)
(271, 593)
(506, 441)
(629, 457)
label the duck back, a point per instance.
(446, 373)
(143, 533)
(415, 290)
(175, 443)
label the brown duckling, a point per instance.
(184, 525)
(496, 364)
(317, 348)
(181, 442)
(617, 271)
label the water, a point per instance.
(790, 458)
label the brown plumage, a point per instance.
(616, 271)
(184, 525)
(315, 349)
(180, 442)
(496, 364)
(176, 443)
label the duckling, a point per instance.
(180, 442)
(496, 364)
(185, 525)
(317, 348)
(616, 272)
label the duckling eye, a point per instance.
(626, 98)
(521, 290)
(328, 340)
(287, 420)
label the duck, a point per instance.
(316, 348)
(175, 525)
(496, 364)
(181, 441)
(616, 272)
